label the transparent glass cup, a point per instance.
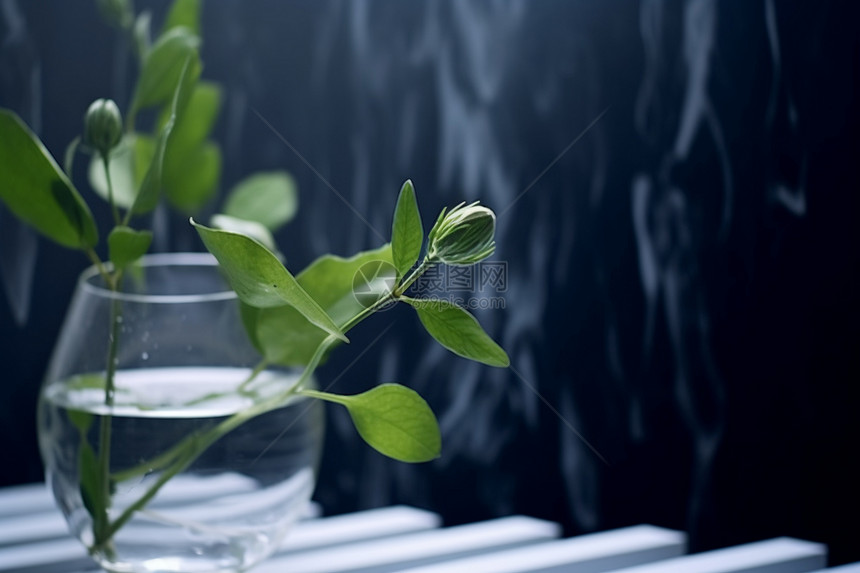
(197, 460)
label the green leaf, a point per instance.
(285, 337)
(192, 165)
(190, 184)
(150, 188)
(86, 382)
(332, 280)
(163, 67)
(184, 13)
(251, 229)
(81, 420)
(129, 162)
(125, 245)
(259, 279)
(37, 191)
(90, 479)
(268, 198)
(196, 120)
(89, 475)
(393, 419)
(407, 233)
(458, 331)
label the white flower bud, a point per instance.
(463, 236)
(103, 126)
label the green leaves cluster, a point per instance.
(177, 157)
(129, 174)
(133, 170)
(451, 325)
(176, 160)
(296, 321)
(284, 336)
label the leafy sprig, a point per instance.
(285, 332)
(293, 321)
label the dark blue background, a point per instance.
(682, 280)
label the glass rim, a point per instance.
(85, 281)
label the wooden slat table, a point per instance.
(34, 539)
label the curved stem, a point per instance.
(367, 312)
(323, 396)
(262, 365)
(155, 463)
(193, 446)
(185, 452)
(97, 262)
(101, 520)
(420, 270)
(114, 209)
(173, 453)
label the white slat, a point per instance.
(50, 524)
(780, 555)
(370, 524)
(36, 497)
(590, 553)
(68, 554)
(28, 512)
(27, 528)
(28, 498)
(396, 553)
(45, 556)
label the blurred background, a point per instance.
(676, 186)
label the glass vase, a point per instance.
(167, 446)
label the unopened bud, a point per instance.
(103, 126)
(463, 236)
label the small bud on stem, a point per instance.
(103, 126)
(463, 236)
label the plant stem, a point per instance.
(420, 270)
(323, 396)
(183, 454)
(196, 444)
(97, 262)
(155, 463)
(102, 520)
(113, 344)
(263, 364)
(173, 453)
(114, 209)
